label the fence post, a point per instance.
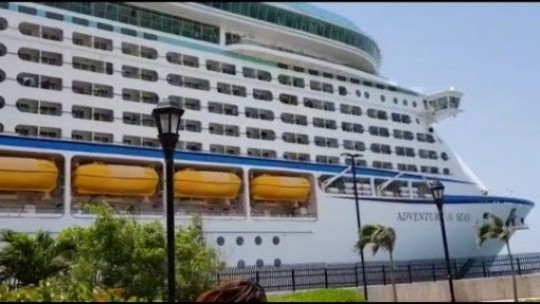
(325, 277)
(518, 266)
(383, 275)
(484, 269)
(410, 272)
(293, 282)
(434, 272)
(257, 276)
(356, 274)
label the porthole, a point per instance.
(383, 98)
(358, 93)
(366, 94)
(220, 241)
(444, 156)
(3, 23)
(404, 102)
(241, 264)
(275, 240)
(3, 49)
(239, 241)
(277, 262)
(414, 104)
(2, 102)
(258, 240)
(260, 263)
(418, 121)
(395, 100)
(2, 75)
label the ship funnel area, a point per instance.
(442, 105)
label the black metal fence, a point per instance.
(308, 276)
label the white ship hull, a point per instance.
(328, 237)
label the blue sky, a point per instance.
(490, 52)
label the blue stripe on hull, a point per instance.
(64, 145)
(450, 199)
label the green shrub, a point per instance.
(320, 295)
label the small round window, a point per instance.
(383, 98)
(395, 100)
(3, 49)
(2, 102)
(241, 264)
(260, 263)
(414, 104)
(3, 23)
(418, 121)
(358, 93)
(277, 262)
(220, 241)
(258, 240)
(2, 75)
(366, 95)
(404, 102)
(239, 241)
(275, 240)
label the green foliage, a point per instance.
(493, 229)
(320, 295)
(378, 236)
(30, 259)
(116, 258)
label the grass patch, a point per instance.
(320, 295)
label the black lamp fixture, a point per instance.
(437, 190)
(353, 157)
(167, 116)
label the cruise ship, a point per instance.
(274, 94)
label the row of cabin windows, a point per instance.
(79, 87)
(49, 132)
(106, 115)
(32, 80)
(174, 79)
(187, 60)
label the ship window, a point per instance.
(50, 33)
(54, 16)
(414, 104)
(79, 21)
(366, 94)
(260, 263)
(239, 241)
(395, 100)
(446, 171)
(275, 240)
(3, 24)
(3, 49)
(150, 36)
(106, 27)
(277, 262)
(444, 156)
(241, 264)
(128, 32)
(27, 10)
(258, 240)
(2, 102)
(383, 98)
(2, 75)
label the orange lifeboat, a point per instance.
(27, 174)
(104, 179)
(206, 184)
(280, 188)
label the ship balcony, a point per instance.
(442, 105)
(342, 56)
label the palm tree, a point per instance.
(30, 259)
(380, 236)
(497, 229)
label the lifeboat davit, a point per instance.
(27, 174)
(105, 179)
(206, 184)
(280, 188)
